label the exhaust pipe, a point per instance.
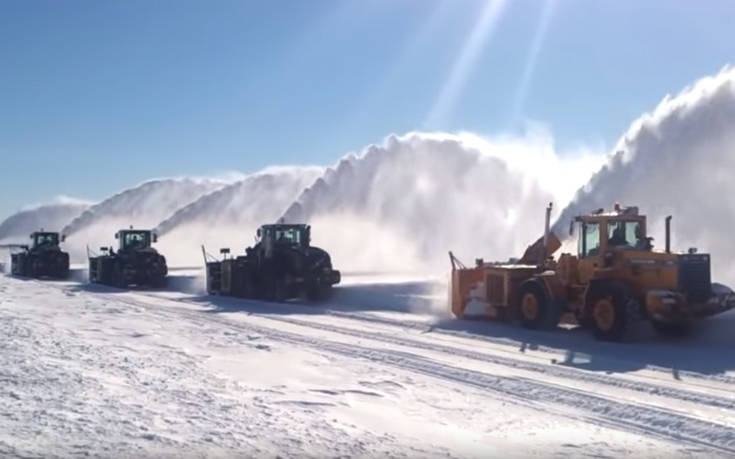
(545, 251)
(668, 234)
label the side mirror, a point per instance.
(257, 233)
(224, 251)
(155, 237)
(63, 237)
(571, 228)
(117, 235)
(104, 249)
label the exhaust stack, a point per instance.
(668, 234)
(545, 251)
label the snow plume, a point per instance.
(677, 161)
(51, 217)
(142, 206)
(228, 217)
(401, 205)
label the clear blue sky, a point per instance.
(101, 95)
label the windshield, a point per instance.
(135, 239)
(288, 236)
(47, 239)
(589, 242)
(626, 234)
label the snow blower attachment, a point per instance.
(135, 262)
(43, 259)
(615, 279)
(281, 265)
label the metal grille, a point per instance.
(694, 276)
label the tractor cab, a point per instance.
(284, 235)
(131, 239)
(45, 239)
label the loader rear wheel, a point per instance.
(611, 311)
(536, 311)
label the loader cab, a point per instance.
(135, 239)
(601, 233)
(45, 239)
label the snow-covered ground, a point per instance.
(89, 370)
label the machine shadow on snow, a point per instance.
(704, 350)
(403, 297)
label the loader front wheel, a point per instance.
(536, 311)
(611, 311)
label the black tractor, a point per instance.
(281, 265)
(134, 263)
(43, 259)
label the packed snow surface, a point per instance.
(89, 370)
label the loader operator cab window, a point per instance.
(589, 240)
(625, 234)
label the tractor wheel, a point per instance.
(279, 290)
(118, 278)
(612, 311)
(536, 311)
(275, 290)
(63, 272)
(33, 268)
(672, 329)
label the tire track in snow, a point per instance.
(595, 409)
(424, 327)
(553, 370)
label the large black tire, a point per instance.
(274, 288)
(118, 279)
(611, 310)
(279, 289)
(672, 329)
(64, 268)
(63, 272)
(535, 309)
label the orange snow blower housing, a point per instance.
(614, 280)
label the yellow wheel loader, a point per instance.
(614, 280)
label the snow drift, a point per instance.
(229, 216)
(677, 160)
(142, 206)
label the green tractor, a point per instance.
(134, 263)
(42, 259)
(281, 265)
